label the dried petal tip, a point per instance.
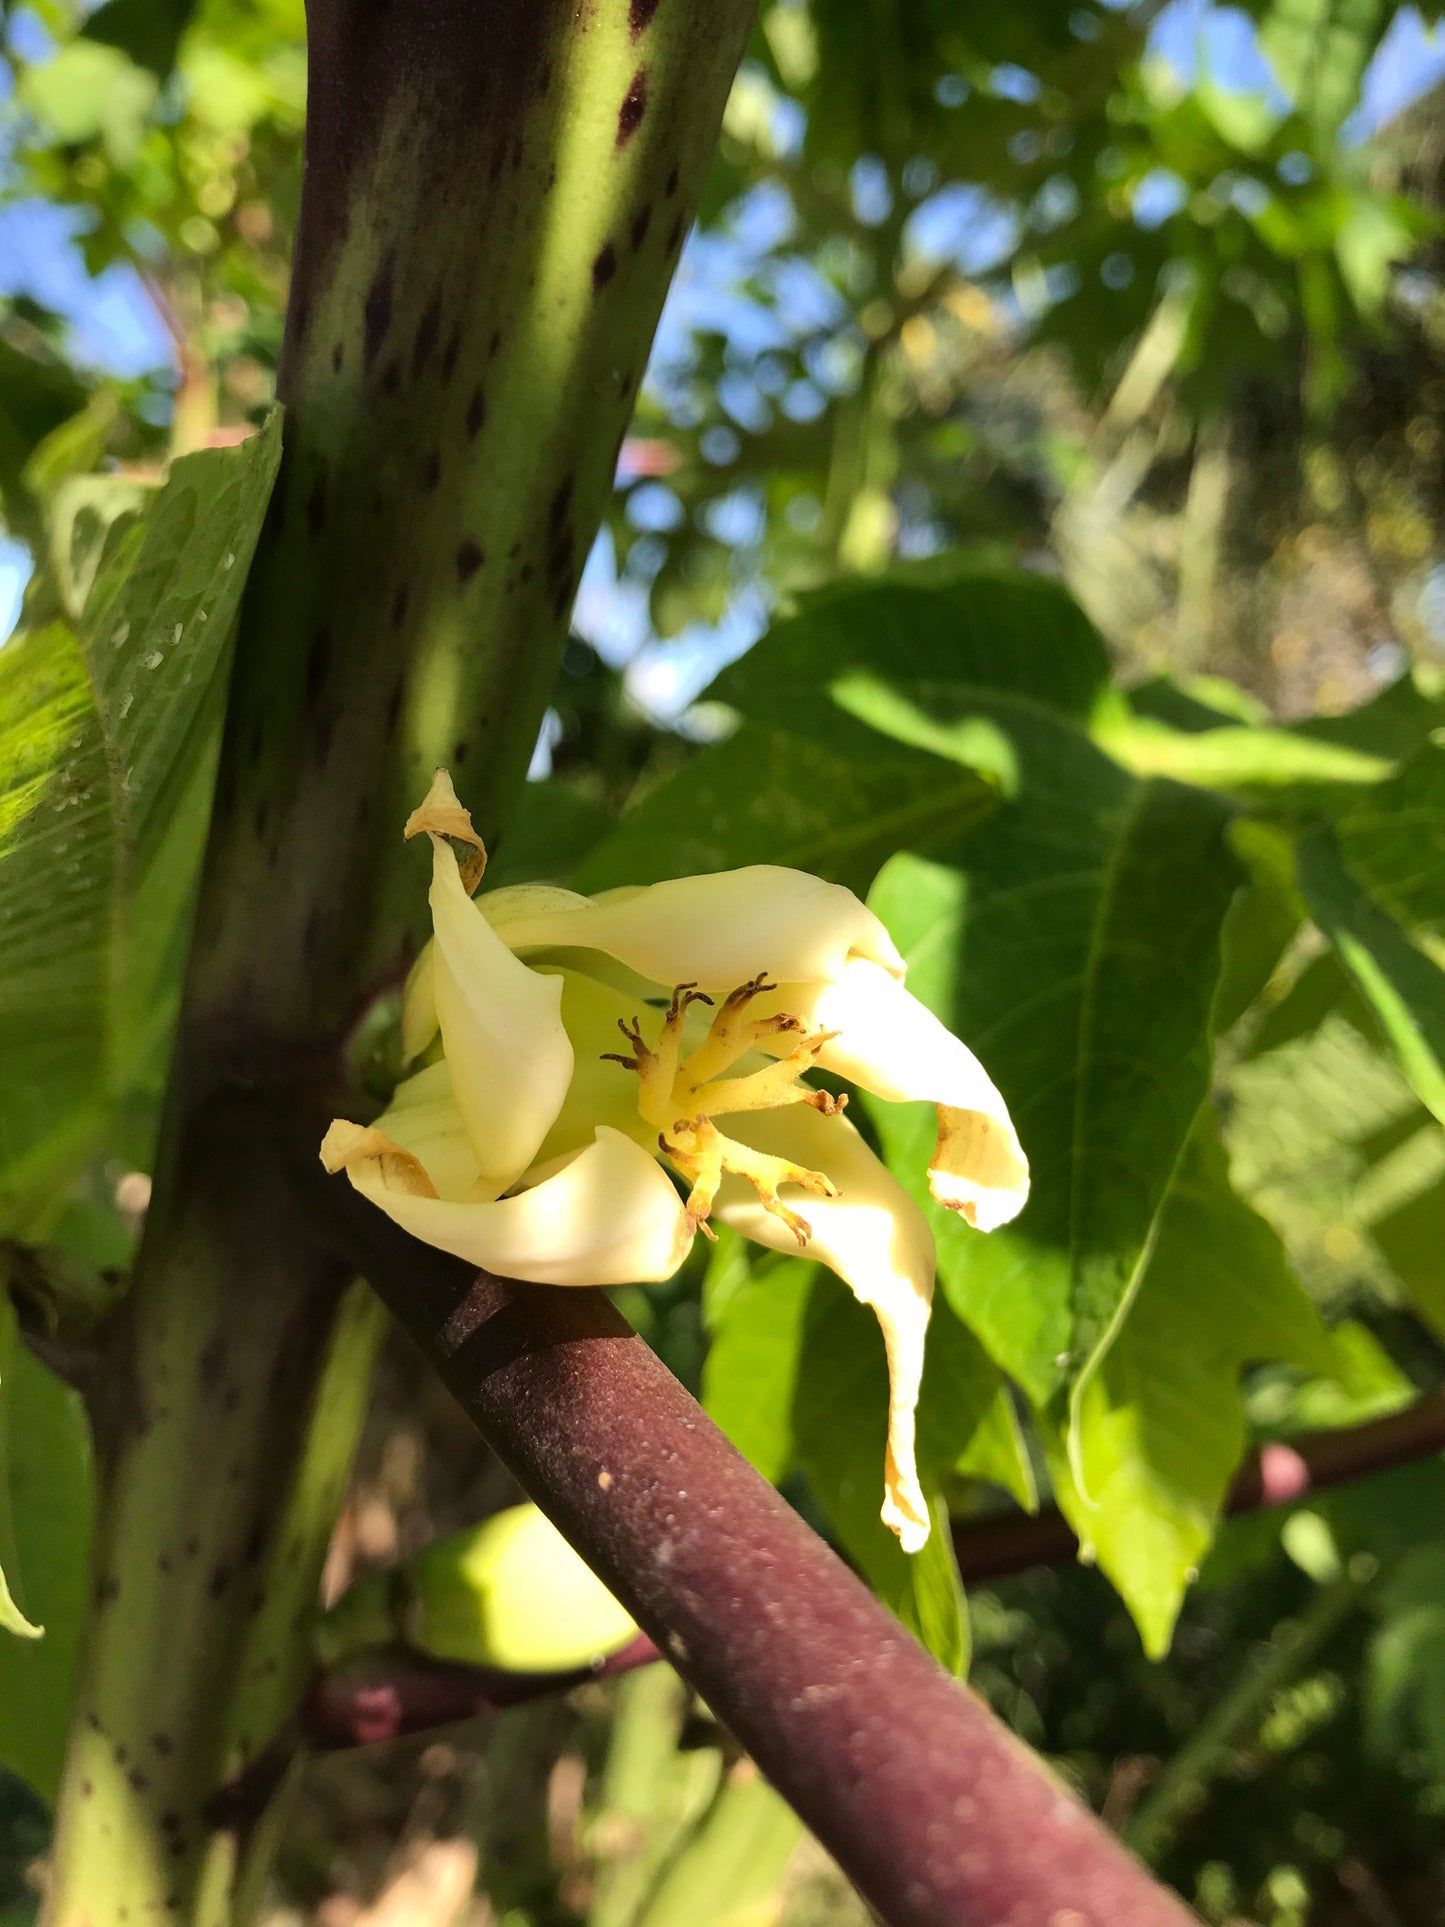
(440, 813)
(346, 1146)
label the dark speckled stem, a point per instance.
(496, 195)
(496, 192)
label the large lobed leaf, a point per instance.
(108, 734)
(821, 793)
(1402, 984)
(1392, 837)
(1067, 917)
(1072, 939)
(1161, 1422)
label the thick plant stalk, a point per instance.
(495, 195)
(242, 1394)
(937, 1813)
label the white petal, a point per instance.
(609, 1216)
(518, 900)
(879, 1243)
(419, 1005)
(502, 1031)
(892, 1045)
(719, 930)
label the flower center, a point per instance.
(681, 1095)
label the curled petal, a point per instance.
(892, 1045)
(878, 1241)
(716, 931)
(346, 1146)
(440, 813)
(419, 999)
(608, 1216)
(501, 1028)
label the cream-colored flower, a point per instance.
(571, 1048)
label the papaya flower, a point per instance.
(574, 1058)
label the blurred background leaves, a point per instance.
(1061, 397)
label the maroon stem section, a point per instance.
(394, 1691)
(1275, 1475)
(397, 1691)
(936, 1812)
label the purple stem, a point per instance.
(396, 1691)
(1277, 1474)
(936, 1812)
(386, 1694)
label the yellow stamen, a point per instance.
(777, 1083)
(680, 1095)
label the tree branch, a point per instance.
(1277, 1474)
(935, 1811)
(392, 1692)
(395, 1691)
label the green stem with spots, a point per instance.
(495, 198)
(241, 1397)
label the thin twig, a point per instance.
(1277, 1474)
(395, 1691)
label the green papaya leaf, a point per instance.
(1332, 762)
(1320, 990)
(1412, 1239)
(108, 735)
(1405, 1660)
(1261, 920)
(1161, 1423)
(940, 643)
(38, 392)
(1237, 757)
(1319, 50)
(1074, 943)
(837, 801)
(551, 831)
(966, 1420)
(47, 1503)
(1072, 937)
(1403, 986)
(1392, 838)
(1393, 724)
(750, 1375)
(758, 1357)
(59, 893)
